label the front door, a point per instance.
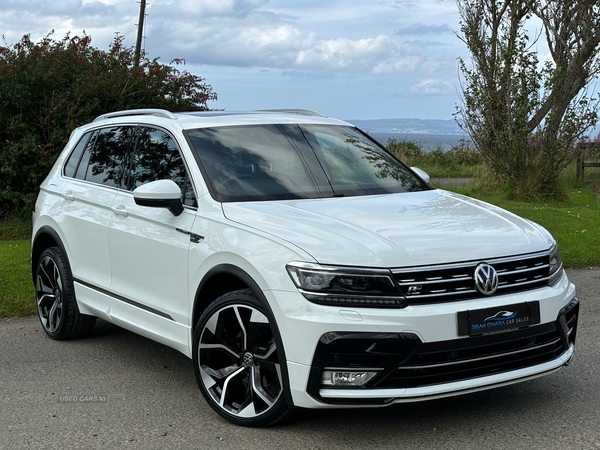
(149, 246)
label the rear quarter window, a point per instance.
(73, 161)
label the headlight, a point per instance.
(556, 267)
(346, 286)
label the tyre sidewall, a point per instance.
(68, 292)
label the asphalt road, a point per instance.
(152, 401)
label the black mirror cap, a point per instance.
(173, 205)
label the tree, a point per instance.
(524, 115)
(50, 87)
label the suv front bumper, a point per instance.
(419, 355)
(410, 370)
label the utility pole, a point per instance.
(140, 34)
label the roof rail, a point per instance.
(138, 112)
(303, 112)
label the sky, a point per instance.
(369, 59)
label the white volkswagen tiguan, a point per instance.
(296, 261)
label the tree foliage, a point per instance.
(50, 87)
(524, 115)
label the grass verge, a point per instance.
(17, 297)
(574, 222)
(14, 229)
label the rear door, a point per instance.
(93, 174)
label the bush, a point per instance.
(464, 154)
(412, 153)
(406, 151)
(49, 88)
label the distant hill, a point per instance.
(413, 126)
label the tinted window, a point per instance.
(73, 161)
(107, 156)
(85, 158)
(356, 165)
(252, 163)
(157, 157)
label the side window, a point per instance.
(85, 158)
(157, 157)
(105, 155)
(108, 155)
(75, 157)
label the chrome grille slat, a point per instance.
(529, 269)
(472, 291)
(435, 282)
(529, 282)
(454, 282)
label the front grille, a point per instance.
(446, 362)
(453, 282)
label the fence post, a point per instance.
(580, 159)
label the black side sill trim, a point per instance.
(124, 299)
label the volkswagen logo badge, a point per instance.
(247, 359)
(486, 279)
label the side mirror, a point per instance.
(160, 194)
(424, 175)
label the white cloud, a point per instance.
(433, 87)
(361, 55)
(420, 29)
(194, 10)
(100, 19)
(242, 33)
(284, 46)
(328, 47)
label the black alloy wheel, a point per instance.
(56, 304)
(237, 363)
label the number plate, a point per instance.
(498, 319)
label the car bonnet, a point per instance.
(394, 230)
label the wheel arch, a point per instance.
(44, 238)
(225, 278)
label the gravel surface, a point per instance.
(140, 394)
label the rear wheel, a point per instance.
(237, 363)
(56, 304)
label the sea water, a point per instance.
(427, 141)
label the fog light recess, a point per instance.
(348, 378)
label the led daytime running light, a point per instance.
(339, 286)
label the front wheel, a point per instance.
(237, 363)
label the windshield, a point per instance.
(279, 162)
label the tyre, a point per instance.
(237, 362)
(56, 304)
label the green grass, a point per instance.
(14, 229)
(17, 296)
(574, 222)
(451, 170)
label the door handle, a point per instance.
(120, 211)
(68, 195)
